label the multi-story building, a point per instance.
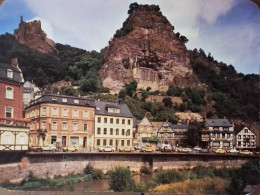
(113, 124)
(144, 129)
(218, 133)
(61, 120)
(245, 138)
(14, 129)
(165, 134)
(180, 134)
(30, 92)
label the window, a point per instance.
(128, 121)
(75, 126)
(74, 141)
(8, 112)
(128, 132)
(85, 114)
(111, 142)
(85, 127)
(22, 139)
(117, 131)
(99, 120)
(111, 120)
(141, 128)
(98, 130)
(239, 136)
(128, 142)
(53, 139)
(9, 93)
(246, 130)
(105, 120)
(252, 137)
(123, 121)
(75, 113)
(117, 121)
(123, 132)
(64, 126)
(65, 112)
(54, 125)
(7, 139)
(98, 142)
(43, 124)
(76, 101)
(111, 131)
(54, 98)
(44, 111)
(64, 100)
(122, 142)
(9, 73)
(105, 131)
(104, 142)
(55, 111)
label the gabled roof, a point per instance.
(17, 73)
(182, 126)
(217, 123)
(58, 99)
(101, 109)
(157, 125)
(145, 122)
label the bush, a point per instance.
(121, 180)
(168, 176)
(31, 185)
(96, 173)
(87, 177)
(146, 170)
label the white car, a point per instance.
(233, 151)
(50, 147)
(197, 148)
(106, 149)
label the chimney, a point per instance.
(15, 62)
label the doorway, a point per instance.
(64, 138)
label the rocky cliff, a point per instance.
(31, 35)
(147, 50)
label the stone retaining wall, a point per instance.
(54, 164)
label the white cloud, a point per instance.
(90, 24)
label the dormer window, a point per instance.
(76, 101)
(113, 110)
(9, 73)
(64, 100)
(54, 98)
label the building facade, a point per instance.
(256, 130)
(165, 134)
(144, 129)
(61, 120)
(245, 138)
(30, 93)
(180, 134)
(14, 129)
(218, 133)
(113, 125)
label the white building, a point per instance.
(245, 138)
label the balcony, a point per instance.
(14, 122)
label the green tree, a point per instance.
(144, 95)
(194, 134)
(167, 102)
(131, 88)
(132, 7)
(122, 94)
(121, 180)
(68, 90)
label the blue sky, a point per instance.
(229, 29)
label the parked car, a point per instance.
(72, 148)
(129, 149)
(106, 149)
(233, 151)
(35, 148)
(197, 148)
(147, 149)
(184, 150)
(246, 152)
(138, 147)
(121, 148)
(167, 149)
(204, 151)
(220, 151)
(50, 147)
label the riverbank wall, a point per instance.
(51, 164)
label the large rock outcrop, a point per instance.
(31, 35)
(147, 50)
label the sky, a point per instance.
(228, 29)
